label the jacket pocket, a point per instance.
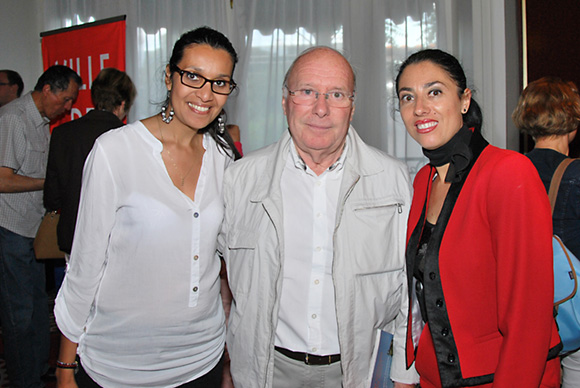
(378, 296)
(375, 231)
(242, 239)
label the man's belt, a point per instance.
(309, 359)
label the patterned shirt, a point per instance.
(24, 141)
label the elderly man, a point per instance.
(11, 86)
(313, 238)
(24, 141)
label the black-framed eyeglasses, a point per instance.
(5, 83)
(335, 98)
(197, 81)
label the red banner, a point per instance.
(87, 49)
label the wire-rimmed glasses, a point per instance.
(334, 98)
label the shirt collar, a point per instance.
(30, 106)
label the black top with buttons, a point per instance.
(423, 263)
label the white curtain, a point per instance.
(375, 35)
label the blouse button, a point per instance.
(418, 286)
(195, 289)
(196, 214)
(451, 358)
(439, 303)
(195, 257)
(445, 332)
(432, 276)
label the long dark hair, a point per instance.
(473, 118)
(217, 40)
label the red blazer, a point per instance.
(496, 277)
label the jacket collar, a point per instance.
(360, 161)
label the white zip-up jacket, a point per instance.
(368, 263)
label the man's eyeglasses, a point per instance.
(197, 81)
(336, 98)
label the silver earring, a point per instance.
(166, 117)
(221, 124)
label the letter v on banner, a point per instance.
(87, 49)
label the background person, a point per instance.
(11, 86)
(112, 93)
(313, 238)
(549, 111)
(141, 296)
(479, 250)
(24, 141)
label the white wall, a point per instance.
(513, 71)
(491, 62)
(20, 27)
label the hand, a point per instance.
(227, 381)
(65, 378)
(403, 385)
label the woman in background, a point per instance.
(549, 112)
(479, 253)
(140, 302)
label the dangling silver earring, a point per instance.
(221, 124)
(164, 116)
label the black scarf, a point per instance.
(456, 152)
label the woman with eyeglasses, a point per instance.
(140, 303)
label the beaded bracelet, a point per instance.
(66, 365)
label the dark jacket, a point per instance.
(70, 145)
(566, 216)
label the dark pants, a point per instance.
(212, 379)
(23, 311)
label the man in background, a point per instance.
(24, 141)
(11, 86)
(112, 93)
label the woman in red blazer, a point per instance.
(479, 253)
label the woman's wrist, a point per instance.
(67, 365)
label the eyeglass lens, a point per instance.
(309, 97)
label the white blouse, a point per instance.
(141, 292)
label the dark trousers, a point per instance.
(23, 311)
(212, 379)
